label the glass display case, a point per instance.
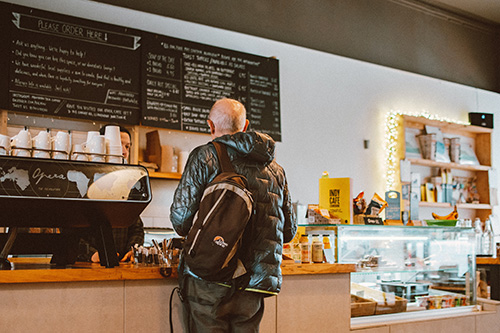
(408, 268)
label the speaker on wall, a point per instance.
(481, 119)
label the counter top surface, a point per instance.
(28, 270)
(35, 270)
(487, 261)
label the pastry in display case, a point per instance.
(409, 268)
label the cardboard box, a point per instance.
(162, 155)
(320, 216)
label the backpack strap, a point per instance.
(224, 161)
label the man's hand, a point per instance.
(129, 256)
(95, 256)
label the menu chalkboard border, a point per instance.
(95, 41)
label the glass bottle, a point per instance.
(478, 229)
(317, 249)
(327, 245)
(488, 239)
(305, 248)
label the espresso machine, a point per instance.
(70, 197)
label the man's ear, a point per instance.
(212, 126)
(246, 125)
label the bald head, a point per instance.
(227, 116)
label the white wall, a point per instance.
(329, 104)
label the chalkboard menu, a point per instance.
(182, 79)
(59, 65)
(70, 67)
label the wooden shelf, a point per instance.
(487, 261)
(420, 122)
(430, 163)
(474, 206)
(459, 206)
(165, 175)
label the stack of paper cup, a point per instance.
(61, 145)
(41, 144)
(96, 147)
(90, 135)
(4, 145)
(114, 154)
(113, 144)
(78, 154)
(21, 143)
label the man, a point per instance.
(124, 238)
(252, 155)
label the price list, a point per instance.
(182, 79)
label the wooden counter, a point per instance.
(487, 261)
(290, 268)
(37, 297)
(34, 270)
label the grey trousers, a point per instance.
(206, 310)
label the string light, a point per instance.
(393, 120)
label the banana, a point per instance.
(452, 216)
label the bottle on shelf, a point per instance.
(478, 229)
(326, 242)
(488, 238)
(317, 249)
(305, 248)
(327, 249)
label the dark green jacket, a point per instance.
(252, 155)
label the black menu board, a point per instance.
(59, 65)
(182, 79)
(70, 67)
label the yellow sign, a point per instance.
(335, 196)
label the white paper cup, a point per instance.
(61, 141)
(97, 145)
(114, 150)
(77, 148)
(112, 135)
(5, 143)
(21, 139)
(41, 154)
(59, 156)
(91, 134)
(97, 158)
(114, 154)
(42, 140)
(79, 157)
(19, 152)
(114, 159)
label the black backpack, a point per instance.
(212, 246)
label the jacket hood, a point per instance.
(254, 146)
